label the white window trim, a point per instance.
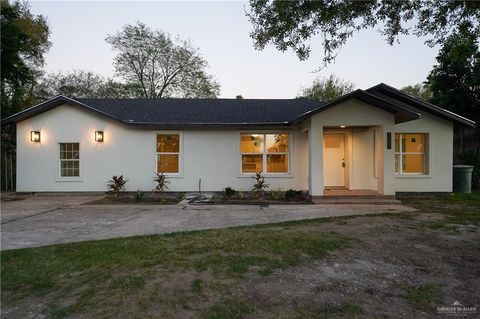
(426, 150)
(59, 177)
(264, 153)
(180, 153)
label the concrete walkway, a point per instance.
(44, 221)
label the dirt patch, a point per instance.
(391, 259)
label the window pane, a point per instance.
(277, 163)
(169, 143)
(251, 143)
(167, 163)
(277, 143)
(252, 163)
(397, 143)
(413, 143)
(413, 163)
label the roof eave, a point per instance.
(403, 113)
(429, 107)
(50, 104)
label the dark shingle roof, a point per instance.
(180, 113)
(203, 111)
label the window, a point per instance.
(168, 153)
(410, 153)
(69, 159)
(266, 153)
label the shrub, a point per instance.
(139, 196)
(242, 194)
(276, 193)
(290, 194)
(260, 186)
(116, 184)
(229, 192)
(161, 181)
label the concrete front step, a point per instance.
(352, 201)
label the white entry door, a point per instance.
(334, 159)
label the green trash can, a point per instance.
(462, 178)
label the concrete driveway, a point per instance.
(40, 221)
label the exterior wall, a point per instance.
(440, 155)
(353, 113)
(210, 155)
(213, 155)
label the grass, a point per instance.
(348, 310)
(98, 271)
(229, 308)
(458, 209)
(425, 297)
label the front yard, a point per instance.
(393, 265)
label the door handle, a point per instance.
(343, 162)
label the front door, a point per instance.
(334, 159)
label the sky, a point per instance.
(221, 31)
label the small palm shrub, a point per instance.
(229, 192)
(161, 181)
(276, 193)
(260, 185)
(116, 185)
(290, 194)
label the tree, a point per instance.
(158, 66)
(80, 84)
(455, 79)
(291, 24)
(239, 97)
(24, 42)
(419, 90)
(327, 89)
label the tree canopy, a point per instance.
(24, 42)
(291, 24)
(455, 79)
(419, 90)
(81, 84)
(158, 66)
(327, 88)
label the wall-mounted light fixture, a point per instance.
(99, 136)
(35, 136)
(342, 126)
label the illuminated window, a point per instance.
(411, 153)
(69, 159)
(265, 153)
(168, 153)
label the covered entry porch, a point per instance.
(353, 161)
(350, 147)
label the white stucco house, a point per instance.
(378, 139)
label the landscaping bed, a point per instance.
(129, 198)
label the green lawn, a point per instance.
(96, 273)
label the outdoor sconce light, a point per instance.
(99, 136)
(35, 136)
